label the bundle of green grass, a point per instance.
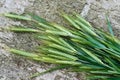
(79, 48)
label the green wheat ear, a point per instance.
(81, 48)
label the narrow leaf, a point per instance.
(109, 26)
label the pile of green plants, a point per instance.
(79, 47)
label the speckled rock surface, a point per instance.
(14, 67)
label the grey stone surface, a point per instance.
(14, 67)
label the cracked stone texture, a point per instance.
(14, 67)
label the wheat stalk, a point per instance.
(81, 47)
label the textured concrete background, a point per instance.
(14, 67)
